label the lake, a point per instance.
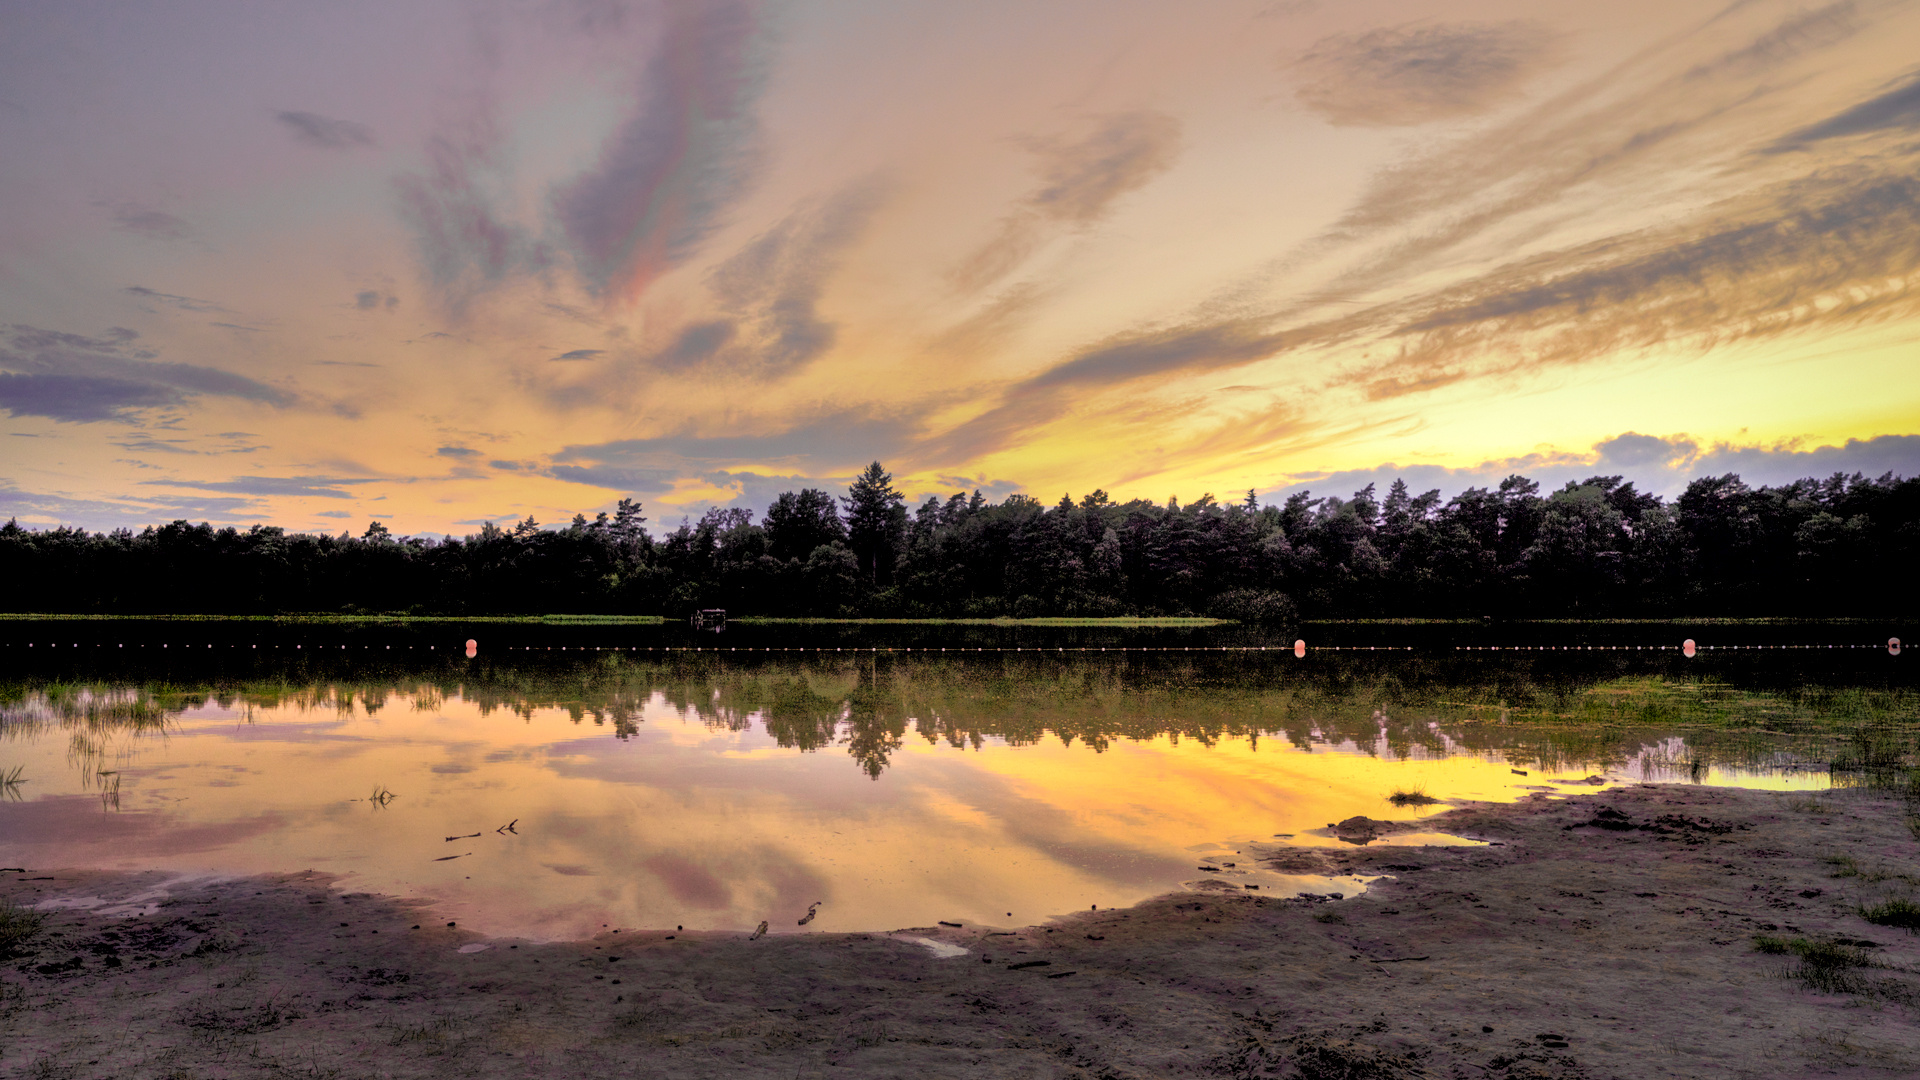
(566, 778)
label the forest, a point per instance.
(1842, 546)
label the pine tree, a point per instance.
(876, 521)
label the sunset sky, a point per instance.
(440, 262)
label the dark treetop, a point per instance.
(1846, 545)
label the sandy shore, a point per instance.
(1606, 935)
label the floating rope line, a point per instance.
(1298, 648)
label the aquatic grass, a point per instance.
(1824, 965)
(18, 927)
(1411, 796)
(1899, 913)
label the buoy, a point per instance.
(1687, 647)
(473, 647)
(1300, 648)
(1893, 646)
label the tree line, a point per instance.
(1842, 546)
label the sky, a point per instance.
(442, 262)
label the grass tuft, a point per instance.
(1899, 913)
(1413, 796)
(18, 927)
(1824, 965)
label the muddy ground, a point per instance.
(1616, 934)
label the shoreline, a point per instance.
(1610, 934)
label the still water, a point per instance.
(549, 786)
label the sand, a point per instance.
(1611, 934)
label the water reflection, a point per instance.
(554, 796)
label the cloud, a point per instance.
(47, 509)
(1417, 74)
(580, 354)
(372, 299)
(1186, 348)
(1026, 407)
(457, 452)
(325, 487)
(80, 399)
(1799, 33)
(830, 440)
(696, 345)
(184, 303)
(143, 443)
(150, 223)
(1896, 110)
(465, 243)
(1081, 180)
(1830, 250)
(1662, 465)
(772, 288)
(687, 152)
(769, 293)
(1079, 183)
(326, 133)
(77, 379)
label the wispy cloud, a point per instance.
(1417, 74)
(149, 222)
(325, 487)
(772, 288)
(324, 132)
(184, 303)
(466, 243)
(1896, 110)
(1830, 250)
(1659, 464)
(579, 354)
(78, 379)
(685, 154)
(1079, 183)
(824, 441)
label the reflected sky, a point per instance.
(691, 805)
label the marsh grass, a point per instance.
(1846, 866)
(18, 927)
(1824, 965)
(1411, 796)
(435, 1032)
(1899, 913)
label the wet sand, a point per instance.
(1604, 935)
